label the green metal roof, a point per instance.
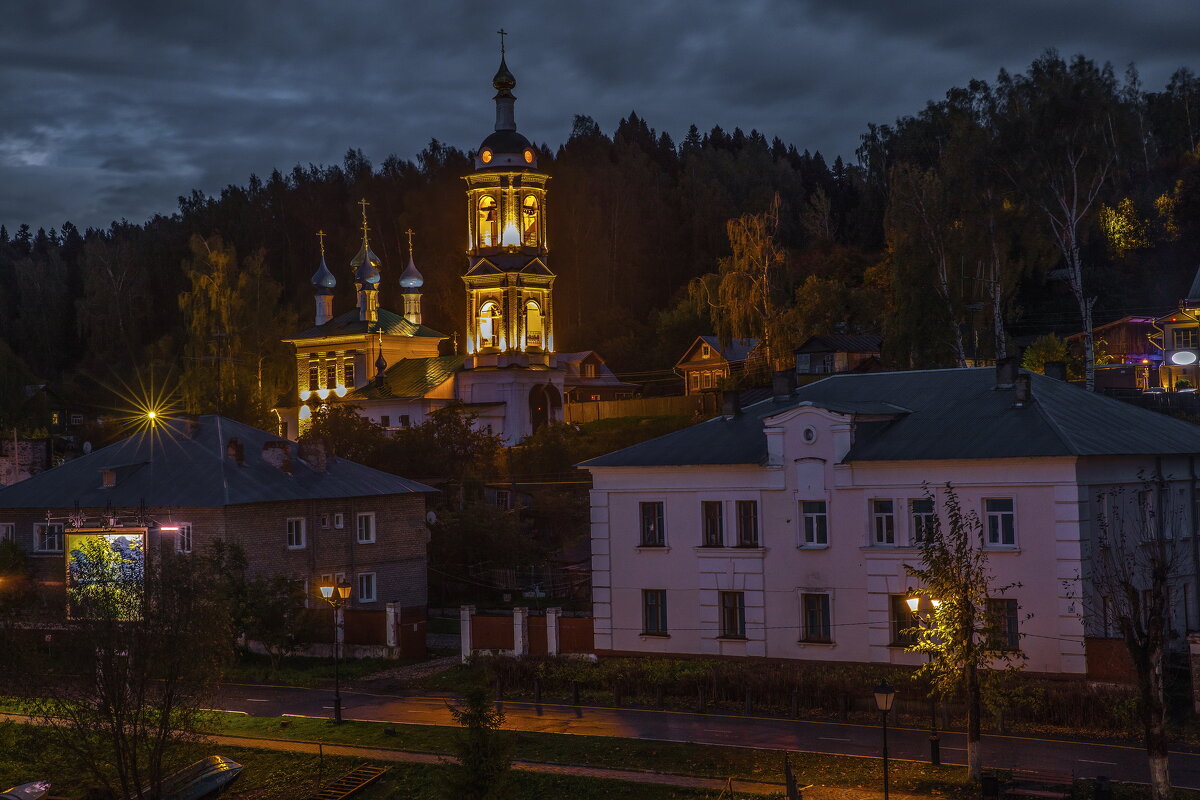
(348, 324)
(410, 378)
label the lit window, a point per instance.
(815, 522)
(733, 614)
(485, 156)
(366, 587)
(708, 380)
(529, 220)
(654, 611)
(348, 371)
(295, 533)
(705, 351)
(884, 521)
(653, 533)
(1003, 621)
(313, 382)
(48, 537)
(923, 518)
(366, 527)
(183, 538)
(903, 621)
(331, 376)
(587, 370)
(489, 221)
(713, 530)
(56, 418)
(489, 324)
(815, 614)
(747, 523)
(695, 381)
(533, 324)
(1001, 522)
(528, 156)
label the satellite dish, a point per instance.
(87, 448)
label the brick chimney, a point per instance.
(781, 385)
(316, 452)
(278, 455)
(1006, 373)
(236, 451)
(1023, 391)
(730, 407)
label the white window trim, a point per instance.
(801, 534)
(8, 531)
(303, 533)
(38, 534)
(873, 518)
(339, 520)
(1016, 542)
(662, 533)
(374, 587)
(358, 518)
(190, 537)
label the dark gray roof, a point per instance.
(842, 343)
(348, 324)
(168, 468)
(935, 414)
(1194, 292)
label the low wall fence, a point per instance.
(392, 632)
(704, 404)
(523, 633)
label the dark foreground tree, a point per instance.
(967, 632)
(141, 661)
(484, 753)
(276, 617)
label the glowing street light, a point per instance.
(336, 596)
(885, 695)
(923, 608)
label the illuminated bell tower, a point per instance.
(510, 313)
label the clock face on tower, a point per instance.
(528, 156)
(486, 156)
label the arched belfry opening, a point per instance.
(545, 406)
(489, 325)
(534, 326)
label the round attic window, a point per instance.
(810, 435)
(528, 156)
(485, 156)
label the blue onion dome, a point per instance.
(380, 363)
(411, 277)
(323, 278)
(367, 266)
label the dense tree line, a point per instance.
(1008, 208)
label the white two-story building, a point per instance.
(782, 530)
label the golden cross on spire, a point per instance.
(363, 202)
(409, 233)
(321, 239)
(502, 33)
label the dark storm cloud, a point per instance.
(111, 110)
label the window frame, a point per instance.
(303, 533)
(184, 534)
(921, 520)
(358, 525)
(1185, 338)
(753, 539)
(654, 612)
(657, 531)
(990, 516)
(339, 520)
(732, 614)
(1005, 621)
(358, 580)
(694, 378)
(807, 633)
(820, 537)
(8, 532)
(883, 523)
(40, 537)
(706, 533)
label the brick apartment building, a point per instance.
(297, 511)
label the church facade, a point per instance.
(389, 364)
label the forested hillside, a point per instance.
(1001, 210)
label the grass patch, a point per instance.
(310, 672)
(709, 761)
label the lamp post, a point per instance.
(884, 696)
(336, 596)
(922, 607)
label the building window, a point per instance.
(533, 324)
(708, 380)
(1004, 620)
(348, 371)
(339, 520)
(815, 522)
(733, 615)
(366, 527)
(183, 538)
(705, 351)
(815, 610)
(108, 478)
(295, 533)
(714, 535)
(56, 418)
(883, 520)
(803, 363)
(529, 219)
(8, 531)
(312, 379)
(1001, 522)
(489, 222)
(324, 520)
(747, 523)
(1185, 338)
(923, 518)
(903, 620)
(1145, 500)
(366, 587)
(654, 611)
(48, 537)
(331, 376)
(404, 421)
(653, 533)
(587, 370)
(385, 421)
(77, 419)
(504, 499)
(694, 378)
(489, 324)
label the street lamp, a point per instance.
(885, 695)
(336, 596)
(923, 607)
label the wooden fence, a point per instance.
(703, 406)
(575, 635)
(524, 633)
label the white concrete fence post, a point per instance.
(552, 615)
(520, 631)
(393, 624)
(464, 631)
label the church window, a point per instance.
(533, 324)
(489, 222)
(529, 221)
(312, 379)
(489, 324)
(331, 376)
(348, 371)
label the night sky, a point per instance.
(111, 110)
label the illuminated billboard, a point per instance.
(106, 573)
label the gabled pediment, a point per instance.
(536, 267)
(483, 267)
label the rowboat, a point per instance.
(202, 779)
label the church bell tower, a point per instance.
(509, 307)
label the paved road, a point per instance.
(1086, 759)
